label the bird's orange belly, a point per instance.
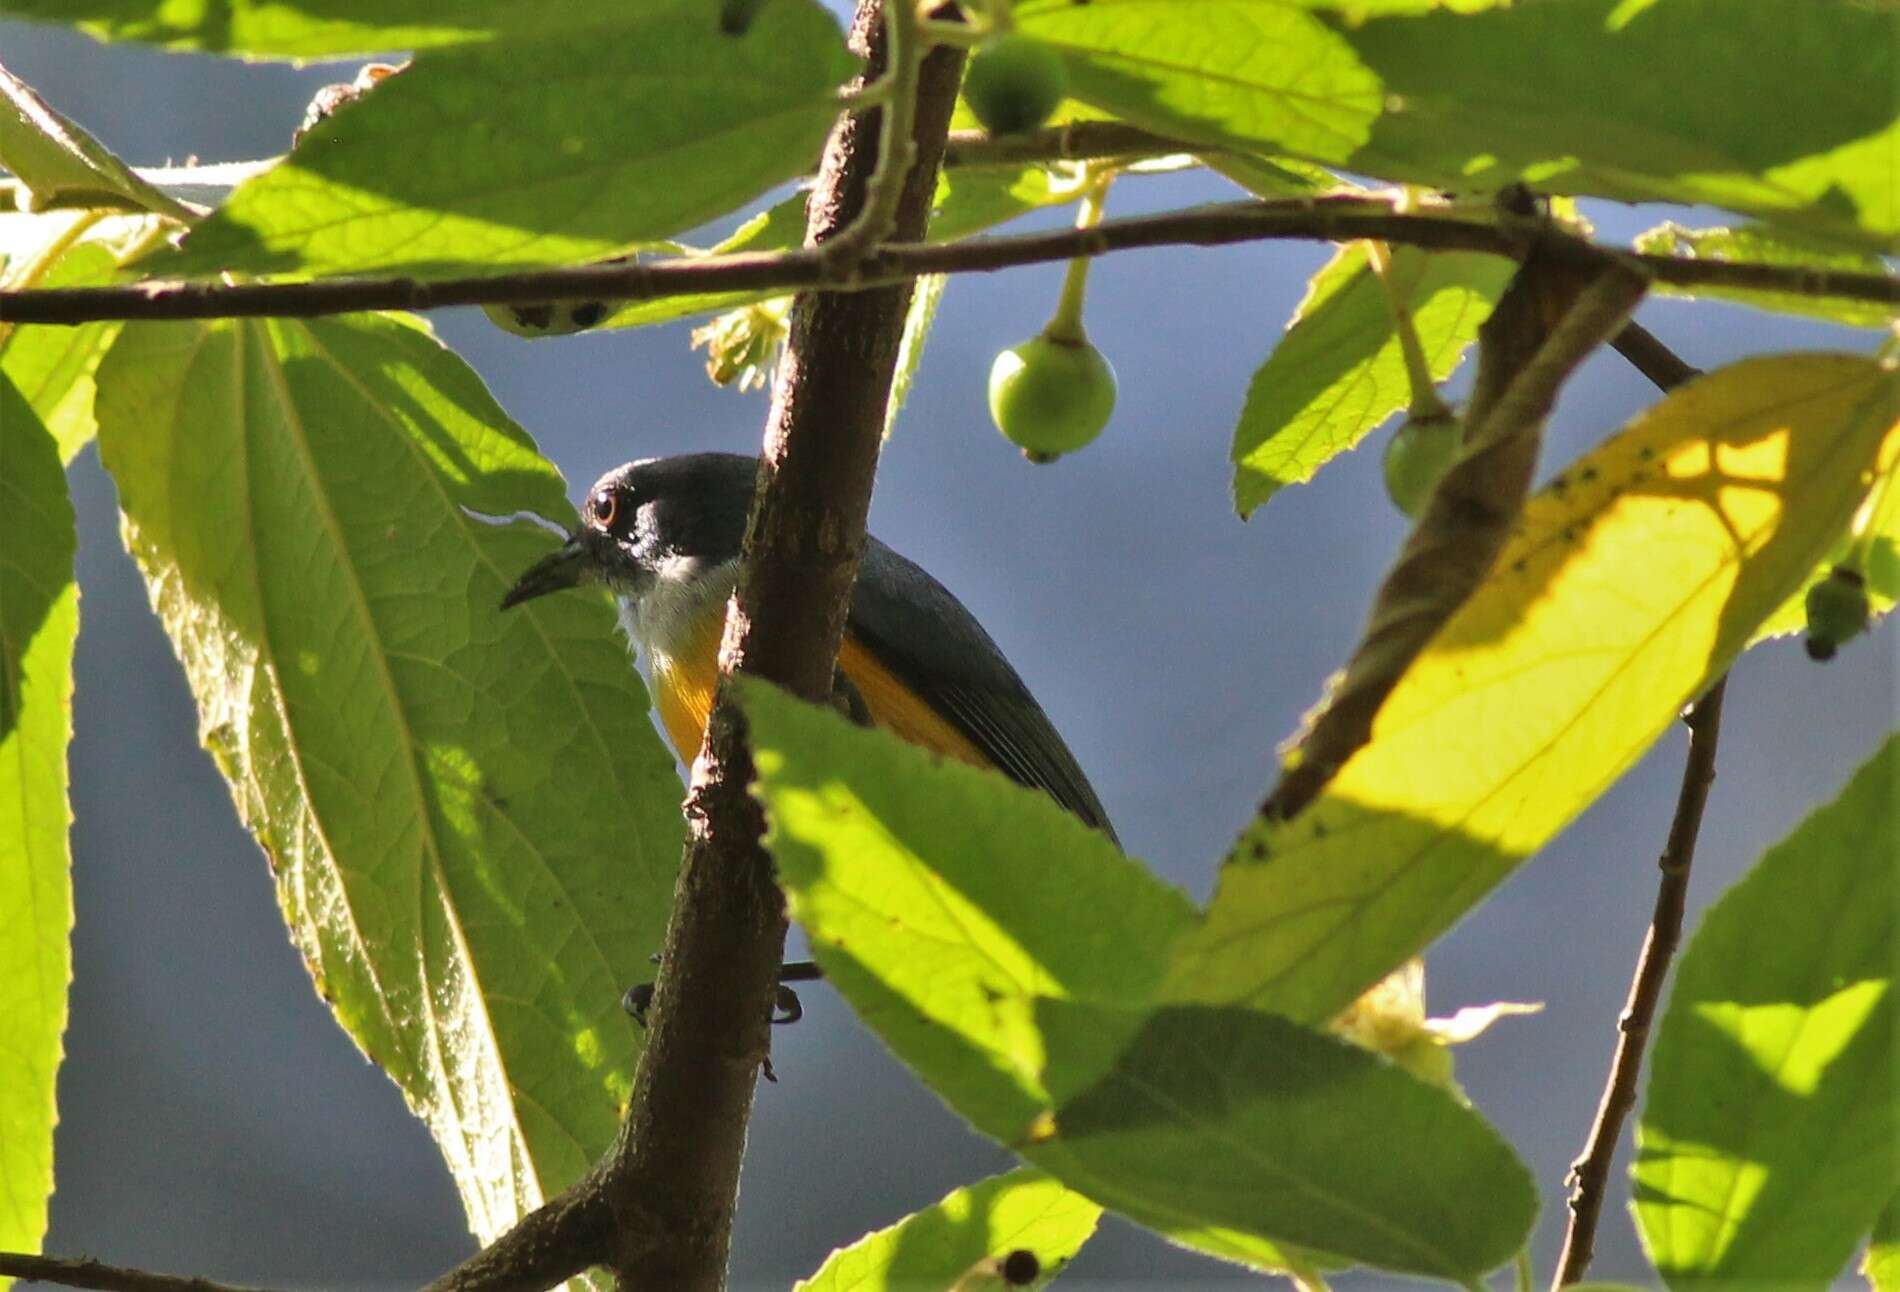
(684, 684)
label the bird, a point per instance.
(663, 535)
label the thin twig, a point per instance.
(1590, 1174)
(1649, 356)
(1331, 218)
(85, 1273)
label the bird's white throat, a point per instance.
(662, 621)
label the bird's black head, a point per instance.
(661, 518)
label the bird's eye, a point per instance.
(601, 508)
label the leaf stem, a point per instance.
(1066, 323)
(1426, 404)
(904, 50)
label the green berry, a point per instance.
(1014, 83)
(1050, 396)
(1837, 612)
(1417, 457)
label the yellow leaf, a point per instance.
(1630, 583)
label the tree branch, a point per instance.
(85, 1273)
(1590, 1174)
(1331, 218)
(673, 1174)
(658, 1208)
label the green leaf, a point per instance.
(1653, 102)
(573, 146)
(310, 28)
(53, 366)
(1769, 1140)
(39, 618)
(943, 902)
(1228, 1117)
(1339, 371)
(1881, 1264)
(1273, 177)
(938, 1246)
(1758, 244)
(1630, 583)
(55, 159)
(473, 826)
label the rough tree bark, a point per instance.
(674, 1171)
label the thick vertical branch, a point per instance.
(673, 1175)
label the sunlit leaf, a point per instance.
(1009, 954)
(1756, 244)
(1582, 97)
(1630, 583)
(1339, 372)
(56, 159)
(1770, 1137)
(39, 617)
(53, 366)
(473, 826)
(1022, 1211)
(576, 145)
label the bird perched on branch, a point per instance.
(664, 536)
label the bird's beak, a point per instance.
(559, 569)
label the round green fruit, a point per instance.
(1837, 612)
(1050, 396)
(1014, 83)
(1417, 457)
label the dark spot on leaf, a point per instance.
(1646, 454)
(533, 315)
(1020, 1267)
(588, 313)
(1559, 485)
(1588, 475)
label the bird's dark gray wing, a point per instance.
(924, 636)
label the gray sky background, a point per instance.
(216, 1121)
